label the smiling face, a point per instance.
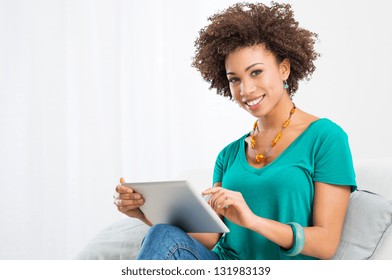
(256, 79)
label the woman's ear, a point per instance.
(284, 68)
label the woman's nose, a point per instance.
(247, 88)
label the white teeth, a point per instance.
(254, 102)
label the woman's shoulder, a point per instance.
(319, 124)
(327, 126)
(326, 133)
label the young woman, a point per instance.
(283, 188)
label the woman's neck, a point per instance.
(277, 116)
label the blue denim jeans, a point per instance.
(167, 242)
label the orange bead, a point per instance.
(252, 142)
(276, 139)
(286, 123)
(260, 158)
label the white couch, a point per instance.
(367, 232)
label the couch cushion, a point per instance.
(383, 250)
(119, 241)
(368, 217)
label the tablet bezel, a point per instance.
(178, 203)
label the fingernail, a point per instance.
(207, 197)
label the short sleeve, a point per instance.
(225, 158)
(333, 159)
(218, 169)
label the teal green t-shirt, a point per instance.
(283, 190)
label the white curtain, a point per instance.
(94, 90)
(91, 91)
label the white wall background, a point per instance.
(94, 90)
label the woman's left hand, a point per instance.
(231, 205)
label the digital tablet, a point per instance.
(178, 203)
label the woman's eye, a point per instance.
(233, 80)
(256, 72)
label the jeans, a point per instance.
(167, 242)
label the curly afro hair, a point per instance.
(245, 24)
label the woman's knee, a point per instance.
(170, 242)
(163, 231)
(160, 241)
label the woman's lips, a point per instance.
(253, 104)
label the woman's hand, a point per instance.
(231, 205)
(128, 202)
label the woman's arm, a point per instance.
(329, 210)
(322, 239)
(207, 239)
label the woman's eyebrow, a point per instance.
(254, 64)
(246, 69)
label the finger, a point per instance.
(212, 201)
(230, 202)
(212, 190)
(125, 209)
(124, 189)
(221, 200)
(126, 196)
(216, 185)
(122, 182)
(207, 197)
(224, 203)
(117, 195)
(217, 198)
(207, 191)
(133, 202)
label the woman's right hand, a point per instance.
(128, 202)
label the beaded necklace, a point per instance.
(262, 157)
